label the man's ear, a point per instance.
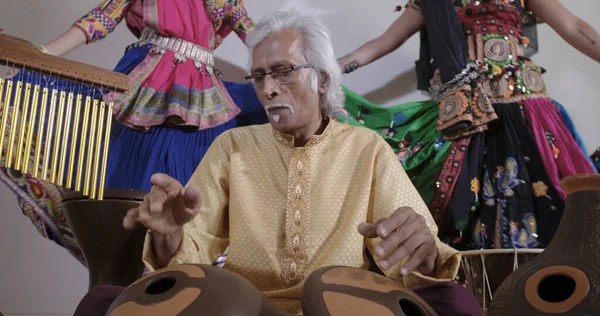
(324, 82)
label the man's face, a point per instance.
(289, 101)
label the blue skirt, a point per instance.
(134, 156)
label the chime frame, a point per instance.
(61, 125)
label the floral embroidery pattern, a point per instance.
(540, 189)
(489, 195)
(438, 143)
(399, 118)
(475, 186)
(479, 234)
(526, 236)
(507, 177)
(362, 110)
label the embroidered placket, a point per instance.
(295, 258)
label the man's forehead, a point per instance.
(278, 49)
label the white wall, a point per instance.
(37, 277)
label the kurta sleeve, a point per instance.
(207, 236)
(236, 19)
(103, 19)
(391, 189)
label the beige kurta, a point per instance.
(285, 212)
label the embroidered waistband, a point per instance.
(183, 49)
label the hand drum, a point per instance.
(350, 291)
(189, 289)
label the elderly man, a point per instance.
(302, 192)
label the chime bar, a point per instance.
(49, 134)
(57, 137)
(63, 153)
(90, 154)
(22, 125)
(31, 125)
(86, 115)
(38, 144)
(47, 130)
(5, 111)
(13, 121)
(73, 150)
(98, 148)
(105, 156)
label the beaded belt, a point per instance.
(182, 49)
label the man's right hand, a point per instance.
(164, 211)
(166, 208)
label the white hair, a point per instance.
(317, 50)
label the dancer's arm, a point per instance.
(94, 26)
(66, 42)
(397, 34)
(236, 19)
(570, 27)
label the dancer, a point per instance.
(175, 107)
(498, 185)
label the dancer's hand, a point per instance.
(11, 73)
(404, 234)
(218, 41)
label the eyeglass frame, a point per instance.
(292, 68)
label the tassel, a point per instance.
(360, 118)
(391, 130)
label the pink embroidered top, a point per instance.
(176, 81)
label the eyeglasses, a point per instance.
(282, 76)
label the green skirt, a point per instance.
(409, 128)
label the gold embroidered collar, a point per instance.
(288, 140)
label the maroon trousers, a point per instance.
(448, 298)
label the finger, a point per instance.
(157, 198)
(396, 238)
(130, 218)
(369, 230)
(187, 205)
(192, 198)
(171, 186)
(144, 211)
(387, 226)
(416, 259)
(429, 265)
(409, 246)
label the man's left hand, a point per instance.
(404, 234)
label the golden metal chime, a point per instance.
(55, 133)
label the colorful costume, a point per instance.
(499, 143)
(175, 107)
